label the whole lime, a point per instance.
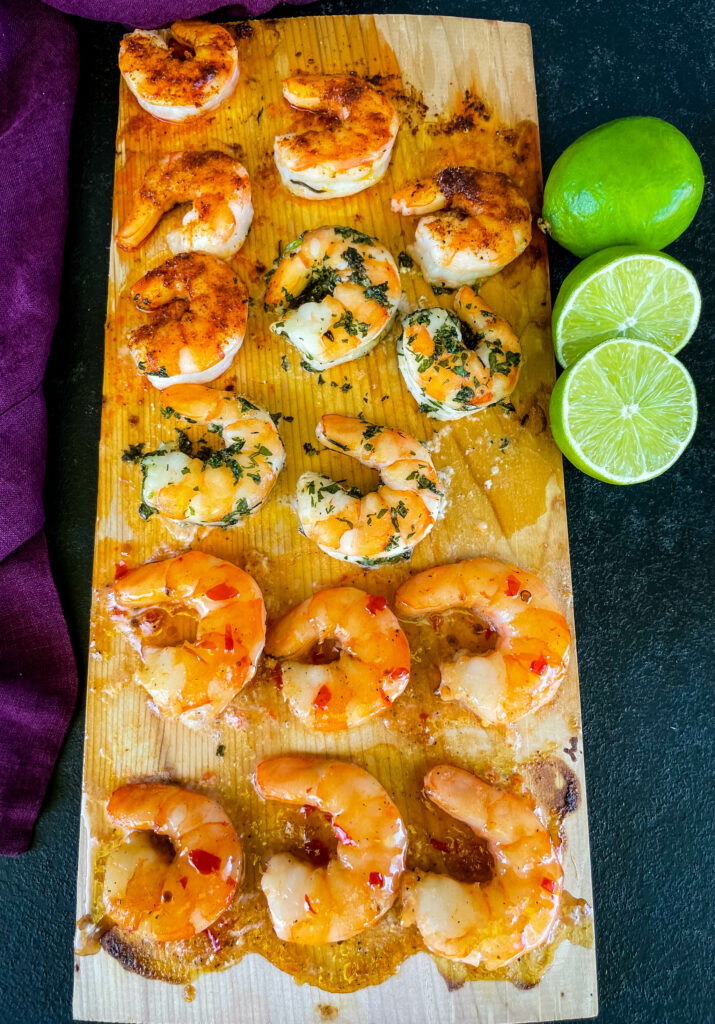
(634, 181)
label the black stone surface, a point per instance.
(641, 556)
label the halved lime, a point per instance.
(623, 292)
(624, 412)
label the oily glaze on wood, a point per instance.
(465, 93)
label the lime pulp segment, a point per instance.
(625, 412)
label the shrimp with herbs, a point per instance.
(342, 658)
(455, 364)
(472, 224)
(213, 487)
(221, 210)
(335, 291)
(531, 656)
(313, 904)
(349, 146)
(178, 867)
(385, 525)
(487, 924)
(182, 72)
(191, 682)
(198, 310)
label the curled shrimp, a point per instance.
(343, 658)
(349, 148)
(169, 890)
(181, 73)
(220, 487)
(219, 191)
(531, 656)
(385, 525)
(313, 905)
(454, 365)
(336, 292)
(194, 340)
(193, 682)
(487, 925)
(473, 223)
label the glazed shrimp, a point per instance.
(455, 365)
(313, 905)
(473, 223)
(487, 925)
(193, 682)
(181, 73)
(531, 656)
(349, 148)
(220, 487)
(385, 525)
(188, 345)
(168, 891)
(219, 191)
(336, 292)
(343, 658)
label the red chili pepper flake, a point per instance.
(308, 809)
(278, 677)
(512, 586)
(398, 673)
(549, 884)
(376, 604)
(228, 637)
(376, 879)
(221, 592)
(214, 940)
(204, 862)
(489, 633)
(540, 666)
(322, 698)
(120, 570)
(441, 845)
(183, 882)
(424, 715)
(309, 905)
(342, 836)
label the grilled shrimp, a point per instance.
(221, 486)
(188, 345)
(336, 292)
(343, 658)
(349, 148)
(313, 905)
(487, 925)
(454, 365)
(473, 223)
(385, 525)
(168, 891)
(219, 191)
(531, 656)
(181, 73)
(193, 682)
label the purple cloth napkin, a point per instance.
(38, 78)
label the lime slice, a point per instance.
(624, 412)
(623, 292)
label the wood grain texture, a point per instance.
(504, 500)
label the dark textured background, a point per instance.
(641, 557)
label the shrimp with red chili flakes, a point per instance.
(385, 525)
(193, 682)
(531, 656)
(350, 146)
(315, 904)
(472, 224)
(178, 867)
(342, 658)
(487, 925)
(221, 210)
(180, 73)
(455, 364)
(199, 311)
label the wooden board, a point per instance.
(465, 91)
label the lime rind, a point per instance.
(625, 412)
(628, 293)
